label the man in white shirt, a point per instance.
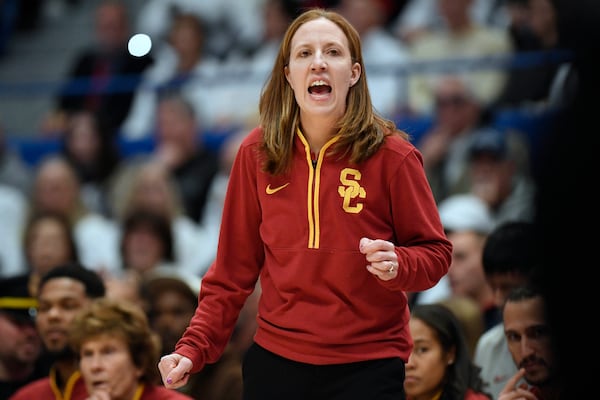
(508, 262)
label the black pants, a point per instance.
(268, 376)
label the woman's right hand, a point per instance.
(174, 370)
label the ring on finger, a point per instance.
(391, 270)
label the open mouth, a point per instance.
(319, 87)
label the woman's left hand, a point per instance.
(381, 256)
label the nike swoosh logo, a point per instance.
(270, 190)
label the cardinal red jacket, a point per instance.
(300, 233)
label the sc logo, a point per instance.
(350, 189)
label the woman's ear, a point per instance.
(451, 356)
(286, 73)
(356, 71)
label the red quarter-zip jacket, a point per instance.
(300, 233)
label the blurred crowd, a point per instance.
(204, 74)
(147, 225)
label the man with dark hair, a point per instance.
(62, 293)
(530, 342)
(20, 344)
(509, 259)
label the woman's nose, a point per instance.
(318, 62)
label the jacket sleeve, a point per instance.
(424, 252)
(233, 276)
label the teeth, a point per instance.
(318, 83)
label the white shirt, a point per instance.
(495, 360)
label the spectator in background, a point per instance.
(124, 287)
(498, 173)
(171, 297)
(13, 214)
(463, 213)
(223, 379)
(146, 242)
(384, 54)
(213, 212)
(118, 352)
(440, 366)
(229, 24)
(21, 358)
(460, 38)
(468, 313)
(540, 82)
(276, 16)
(103, 77)
(48, 242)
(14, 171)
(234, 102)
(467, 222)
(180, 150)
(182, 66)
(92, 151)
(530, 342)
(148, 186)
(459, 113)
(509, 260)
(420, 16)
(62, 293)
(57, 189)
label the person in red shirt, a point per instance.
(61, 293)
(21, 357)
(440, 365)
(328, 205)
(117, 352)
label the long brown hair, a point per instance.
(361, 130)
